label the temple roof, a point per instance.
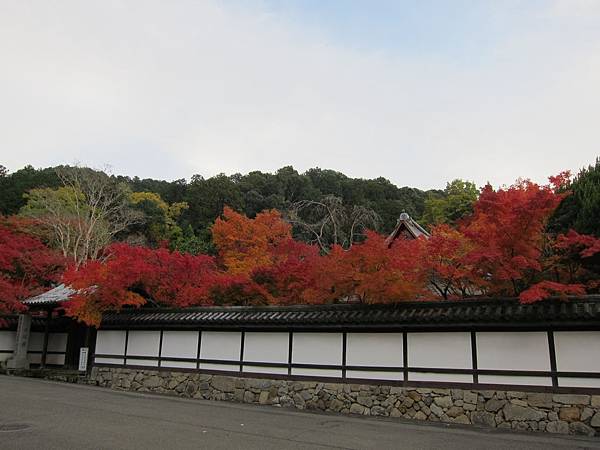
(53, 297)
(408, 228)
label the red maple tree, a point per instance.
(134, 276)
(27, 265)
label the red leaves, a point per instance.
(507, 228)
(369, 271)
(545, 289)
(131, 276)
(26, 266)
(586, 245)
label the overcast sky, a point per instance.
(419, 91)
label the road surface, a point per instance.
(37, 414)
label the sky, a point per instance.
(420, 92)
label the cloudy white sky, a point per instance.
(419, 91)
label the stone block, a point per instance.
(263, 398)
(436, 410)
(415, 396)
(494, 405)
(581, 428)
(223, 384)
(586, 414)
(483, 418)
(355, 408)
(378, 411)
(569, 414)
(571, 399)
(418, 416)
(521, 413)
(395, 413)
(365, 400)
(462, 419)
(596, 401)
(443, 402)
(470, 397)
(595, 422)
(455, 411)
(152, 382)
(540, 400)
(557, 427)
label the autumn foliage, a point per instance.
(27, 266)
(501, 249)
(134, 276)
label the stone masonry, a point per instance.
(531, 411)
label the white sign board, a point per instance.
(83, 358)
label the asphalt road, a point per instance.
(65, 416)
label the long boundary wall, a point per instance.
(57, 347)
(546, 360)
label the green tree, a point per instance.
(581, 209)
(453, 204)
(160, 222)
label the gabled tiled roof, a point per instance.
(59, 294)
(406, 224)
(480, 313)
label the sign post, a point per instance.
(83, 358)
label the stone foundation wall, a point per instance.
(531, 411)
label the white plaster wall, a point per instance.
(513, 350)
(110, 342)
(7, 342)
(374, 349)
(577, 351)
(441, 350)
(445, 377)
(118, 361)
(579, 382)
(317, 348)
(450, 350)
(265, 347)
(143, 343)
(179, 344)
(516, 380)
(224, 345)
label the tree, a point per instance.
(160, 219)
(135, 276)
(14, 185)
(329, 222)
(370, 272)
(85, 214)
(261, 262)
(27, 266)
(580, 210)
(508, 231)
(445, 258)
(455, 203)
(245, 244)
